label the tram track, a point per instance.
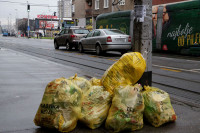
(193, 81)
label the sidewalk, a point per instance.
(23, 79)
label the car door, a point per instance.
(59, 38)
(65, 36)
(95, 39)
(87, 40)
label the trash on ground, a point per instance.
(95, 105)
(65, 101)
(127, 70)
(60, 106)
(126, 111)
(158, 109)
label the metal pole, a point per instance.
(28, 21)
(59, 13)
(8, 25)
(142, 34)
(51, 27)
(62, 12)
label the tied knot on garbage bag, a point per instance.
(81, 82)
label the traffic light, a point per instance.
(54, 13)
(28, 8)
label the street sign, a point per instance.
(28, 28)
(140, 12)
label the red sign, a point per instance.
(47, 16)
(46, 24)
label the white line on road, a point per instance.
(192, 70)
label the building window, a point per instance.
(121, 2)
(96, 4)
(106, 3)
(73, 8)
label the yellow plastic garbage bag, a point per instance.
(95, 82)
(60, 106)
(81, 82)
(158, 109)
(127, 70)
(126, 112)
(95, 105)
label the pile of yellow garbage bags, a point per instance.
(116, 100)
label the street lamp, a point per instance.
(10, 23)
(16, 22)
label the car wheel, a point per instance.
(98, 50)
(68, 46)
(80, 47)
(56, 46)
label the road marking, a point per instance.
(170, 70)
(180, 69)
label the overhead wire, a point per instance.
(32, 4)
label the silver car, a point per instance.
(102, 40)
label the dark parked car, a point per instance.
(102, 40)
(69, 37)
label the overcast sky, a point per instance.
(12, 10)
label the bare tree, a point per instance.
(23, 25)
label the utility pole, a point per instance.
(28, 10)
(59, 13)
(8, 25)
(142, 36)
(54, 14)
(62, 12)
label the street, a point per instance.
(27, 65)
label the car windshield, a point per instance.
(113, 32)
(82, 31)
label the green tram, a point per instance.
(175, 26)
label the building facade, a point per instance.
(78, 12)
(86, 11)
(46, 24)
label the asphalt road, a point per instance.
(23, 78)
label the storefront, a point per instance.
(47, 25)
